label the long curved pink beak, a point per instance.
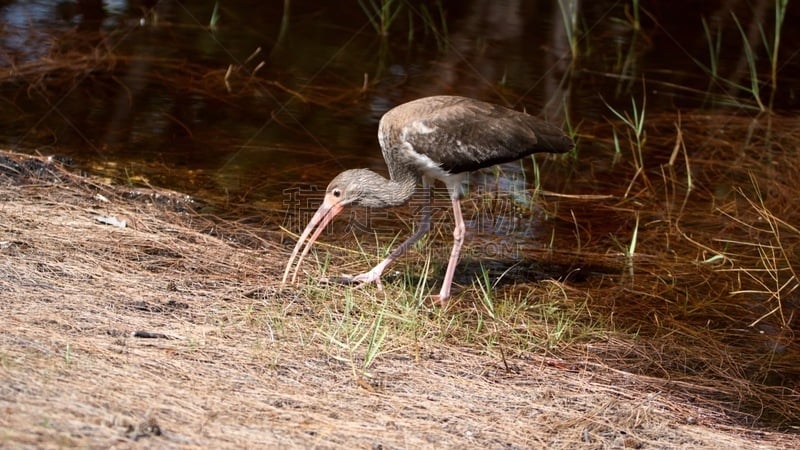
(330, 207)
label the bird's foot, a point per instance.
(369, 277)
(439, 300)
(360, 280)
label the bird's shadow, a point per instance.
(506, 272)
(499, 272)
(509, 272)
(345, 280)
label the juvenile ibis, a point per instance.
(431, 138)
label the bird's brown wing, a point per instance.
(462, 136)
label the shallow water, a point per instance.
(263, 103)
(140, 92)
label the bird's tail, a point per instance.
(552, 139)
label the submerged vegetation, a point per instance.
(624, 294)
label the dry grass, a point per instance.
(171, 332)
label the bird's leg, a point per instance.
(424, 226)
(458, 240)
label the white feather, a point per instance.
(432, 169)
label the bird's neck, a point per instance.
(391, 192)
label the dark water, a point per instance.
(139, 91)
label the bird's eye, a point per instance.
(336, 193)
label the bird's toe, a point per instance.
(439, 300)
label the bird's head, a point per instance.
(354, 187)
(351, 187)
